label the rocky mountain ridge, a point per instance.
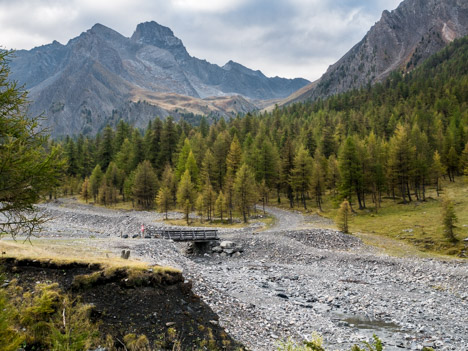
(79, 86)
(400, 40)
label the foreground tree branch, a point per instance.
(29, 166)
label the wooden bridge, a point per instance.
(196, 235)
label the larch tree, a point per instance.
(344, 214)
(164, 200)
(123, 157)
(85, 194)
(168, 141)
(220, 205)
(128, 188)
(220, 151)
(192, 167)
(437, 170)
(263, 192)
(318, 182)
(287, 166)
(350, 171)
(333, 174)
(233, 162)
(401, 160)
(209, 199)
(449, 219)
(186, 194)
(208, 169)
(106, 147)
(137, 154)
(95, 181)
(245, 191)
(200, 206)
(182, 159)
(452, 163)
(301, 174)
(168, 181)
(145, 185)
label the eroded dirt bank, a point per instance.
(152, 302)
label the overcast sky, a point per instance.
(286, 38)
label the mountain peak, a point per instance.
(152, 33)
(104, 32)
(99, 28)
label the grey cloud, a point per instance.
(293, 38)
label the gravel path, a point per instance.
(293, 279)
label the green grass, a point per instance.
(411, 229)
(417, 223)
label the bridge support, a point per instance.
(199, 247)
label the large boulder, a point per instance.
(227, 244)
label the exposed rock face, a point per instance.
(81, 85)
(401, 40)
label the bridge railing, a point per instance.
(186, 234)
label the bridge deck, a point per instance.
(199, 235)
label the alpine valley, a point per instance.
(101, 77)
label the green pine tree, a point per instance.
(245, 191)
(186, 194)
(145, 184)
(449, 219)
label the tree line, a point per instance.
(397, 139)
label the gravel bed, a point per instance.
(292, 280)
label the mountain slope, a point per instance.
(401, 40)
(80, 85)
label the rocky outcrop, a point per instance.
(401, 40)
(83, 85)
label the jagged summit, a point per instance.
(152, 33)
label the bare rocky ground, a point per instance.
(294, 279)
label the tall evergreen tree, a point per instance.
(186, 194)
(95, 181)
(182, 159)
(301, 174)
(220, 151)
(287, 166)
(168, 181)
(350, 171)
(164, 200)
(123, 158)
(85, 193)
(137, 154)
(401, 160)
(209, 169)
(168, 141)
(191, 166)
(209, 199)
(145, 185)
(449, 219)
(106, 149)
(245, 191)
(221, 205)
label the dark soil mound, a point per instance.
(158, 304)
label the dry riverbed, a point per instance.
(294, 279)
